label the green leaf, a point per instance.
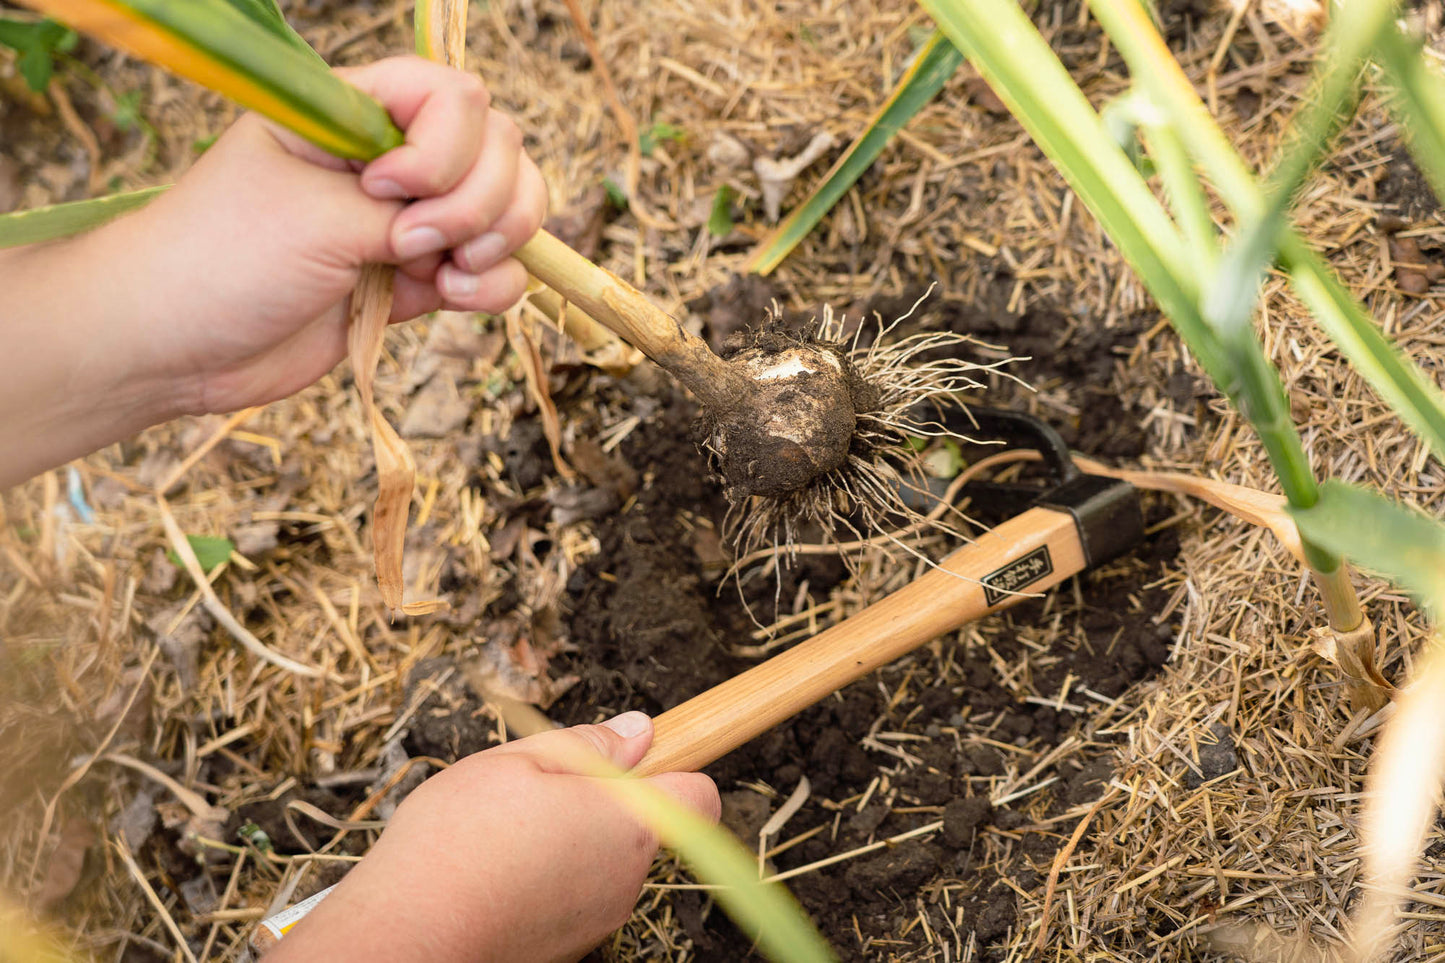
(765, 911)
(1352, 33)
(616, 196)
(248, 57)
(30, 34)
(920, 83)
(37, 43)
(267, 14)
(659, 132)
(720, 221)
(127, 112)
(1420, 103)
(36, 66)
(211, 551)
(64, 220)
(1008, 50)
(1398, 541)
(1409, 391)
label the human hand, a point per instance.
(509, 855)
(248, 262)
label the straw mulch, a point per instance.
(128, 712)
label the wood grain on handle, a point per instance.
(1042, 542)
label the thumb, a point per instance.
(620, 741)
(253, 171)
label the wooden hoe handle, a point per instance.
(1029, 553)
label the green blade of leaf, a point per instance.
(765, 911)
(1018, 64)
(268, 14)
(36, 66)
(1182, 187)
(1402, 543)
(63, 220)
(25, 34)
(1008, 50)
(937, 61)
(214, 44)
(211, 551)
(1352, 34)
(720, 220)
(1401, 384)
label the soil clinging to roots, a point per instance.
(826, 443)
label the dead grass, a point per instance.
(109, 650)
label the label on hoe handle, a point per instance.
(1016, 575)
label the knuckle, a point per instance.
(596, 738)
(432, 180)
(474, 94)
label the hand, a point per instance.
(509, 855)
(231, 289)
(250, 259)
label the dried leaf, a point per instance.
(1250, 504)
(437, 410)
(531, 358)
(66, 863)
(777, 176)
(395, 469)
(424, 608)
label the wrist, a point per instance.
(79, 379)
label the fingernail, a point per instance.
(384, 190)
(480, 253)
(630, 724)
(419, 241)
(457, 285)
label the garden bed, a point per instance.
(1175, 684)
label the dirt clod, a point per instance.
(962, 818)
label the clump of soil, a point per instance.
(1404, 190)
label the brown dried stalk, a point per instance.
(395, 468)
